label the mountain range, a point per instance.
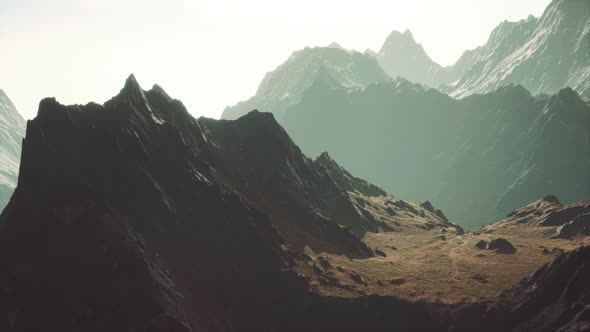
(143, 218)
(282, 88)
(477, 158)
(489, 148)
(374, 191)
(542, 54)
(12, 130)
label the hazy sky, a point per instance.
(211, 53)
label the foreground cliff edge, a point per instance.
(134, 216)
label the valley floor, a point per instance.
(438, 264)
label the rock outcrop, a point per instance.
(501, 246)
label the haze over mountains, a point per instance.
(144, 218)
(283, 88)
(12, 130)
(542, 54)
(477, 158)
(437, 199)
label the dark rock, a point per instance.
(564, 215)
(440, 214)
(580, 225)
(481, 244)
(427, 206)
(325, 263)
(357, 278)
(501, 246)
(551, 199)
(380, 253)
(397, 281)
(390, 211)
(406, 206)
(479, 278)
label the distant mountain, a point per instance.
(282, 88)
(12, 130)
(402, 56)
(328, 101)
(477, 158)
(542, 54)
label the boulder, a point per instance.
(481, 244)
(357, 278)
(501, 246)
(397, 281)
(380, 253)
(325, 263)
(478, 277)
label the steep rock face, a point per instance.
(143, 218)
(345, 180)
(543, 54)
(333, 66)
(255, 156)
(556, 297)
(130, 169)
(12, 130)
(477, 158)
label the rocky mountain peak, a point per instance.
(335, 45)
(132, 90)
(397, 36)
(402, 56)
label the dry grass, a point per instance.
(425, 267)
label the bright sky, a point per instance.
(211, 53)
